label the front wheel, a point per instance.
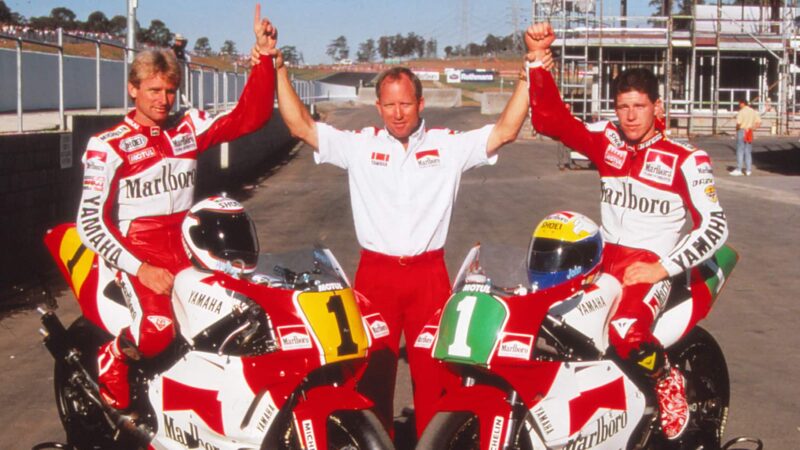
(352, 430)
(460, 431)
(347, 430)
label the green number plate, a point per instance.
(470, 326)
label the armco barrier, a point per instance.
(40, 183)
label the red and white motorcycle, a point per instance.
(269, 362)
(534, 370)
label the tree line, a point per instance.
(156, 34)
(413, 45)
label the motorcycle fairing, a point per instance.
(589, 399)
(200, 299)
(207, 396)
(312, 412)
(489, 404)
(706, 281)
(335, 324)
(470, 328)
(190, 396)
(590, 309)
(88, 278)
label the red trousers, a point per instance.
(407, 291)
(632, 322)
(155, 241)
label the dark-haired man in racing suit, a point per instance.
(139, 180)
(649, 186)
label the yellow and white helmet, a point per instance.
(564, 246)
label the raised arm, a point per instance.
(255, 105)
(293, 111)
(549, 114)
(508, 125)
(510, 122)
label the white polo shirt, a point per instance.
(402, 199)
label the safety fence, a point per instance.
(29, 82)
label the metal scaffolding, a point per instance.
(707, 60)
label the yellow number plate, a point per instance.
(335, 320)
(70, 249)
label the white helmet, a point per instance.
(218, 234)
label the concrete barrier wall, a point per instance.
(39, 189)
(337, 91)
(434, 98)
(494, 102)
(40, 83)
(442, 98)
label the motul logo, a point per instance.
(166, 182)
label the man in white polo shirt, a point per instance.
(403, 180)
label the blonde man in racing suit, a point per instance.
(649, 186)
(139, 179)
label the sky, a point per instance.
(310, 25)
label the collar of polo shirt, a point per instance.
(413, 139)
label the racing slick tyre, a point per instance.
(356, 430)
(702, 362)
(458, 431)
(347, 430)
(84, 423)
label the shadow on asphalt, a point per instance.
(776, 155)
(778, 158)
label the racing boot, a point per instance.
(672, 404)
(112, 374)
(648, 366)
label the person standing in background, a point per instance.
(747, 120)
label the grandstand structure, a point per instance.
(707, 60)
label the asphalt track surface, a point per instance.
(300, 204)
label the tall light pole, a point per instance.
(131, 42)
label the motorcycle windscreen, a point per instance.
(469, 329)
(335, 320)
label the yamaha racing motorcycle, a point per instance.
(267, 362)
(534, 369)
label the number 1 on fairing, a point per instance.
(348, 346)
(465, 309)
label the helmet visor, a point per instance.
(228, 237)
(550, 255)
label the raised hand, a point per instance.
(255, 58)
(538, 38)
(266, 33)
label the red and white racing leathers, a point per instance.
(647, 193)
(139, 182)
